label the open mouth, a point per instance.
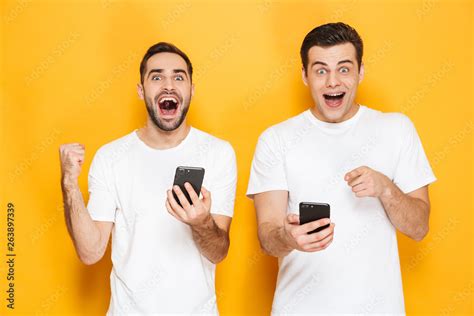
(334, 99)
(168, 105)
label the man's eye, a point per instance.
(156, 78)
(179, 78)
(344, 70)
(321, 71)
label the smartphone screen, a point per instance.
(312, 211)
(193, 175)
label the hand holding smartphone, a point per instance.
(192, 175)
(312, 211)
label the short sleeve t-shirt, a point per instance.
(360, 271)
(157, 267)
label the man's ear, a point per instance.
(192, 90)
(141, 95)
(361, 72)
(303, 75)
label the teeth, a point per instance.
(168, 99)
(334, 94)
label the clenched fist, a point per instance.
(72, 158)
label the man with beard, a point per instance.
(163, 255)
(369, 167)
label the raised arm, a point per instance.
(89, 237)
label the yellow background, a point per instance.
(69, 70)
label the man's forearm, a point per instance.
(212, 241)
(272, 240)
(408, 214)
(82, 229)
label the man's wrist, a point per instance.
(68, 183)
(286, 238)
(206, 224)
(387, 188)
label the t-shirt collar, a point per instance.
(172, 149)
(335, 128)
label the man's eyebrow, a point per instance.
(345, 61)
(177, 71)
(159, 70)
(318, 63)
(154, 70)
(324, 64)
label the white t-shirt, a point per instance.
(360, 271)
(157, 267)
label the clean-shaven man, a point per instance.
(368, 165)
(163, 255)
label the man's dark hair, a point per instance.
(329, 35)
(163, 47)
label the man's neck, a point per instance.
(352, 111)
(157, 138)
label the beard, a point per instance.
(157, 121)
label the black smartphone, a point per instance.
(312, 211)
(193, 175)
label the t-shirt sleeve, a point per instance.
(413, 170)
(224, 182)
(102, 203)
(268, 166)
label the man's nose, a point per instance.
(332, 80)
(168, 84)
